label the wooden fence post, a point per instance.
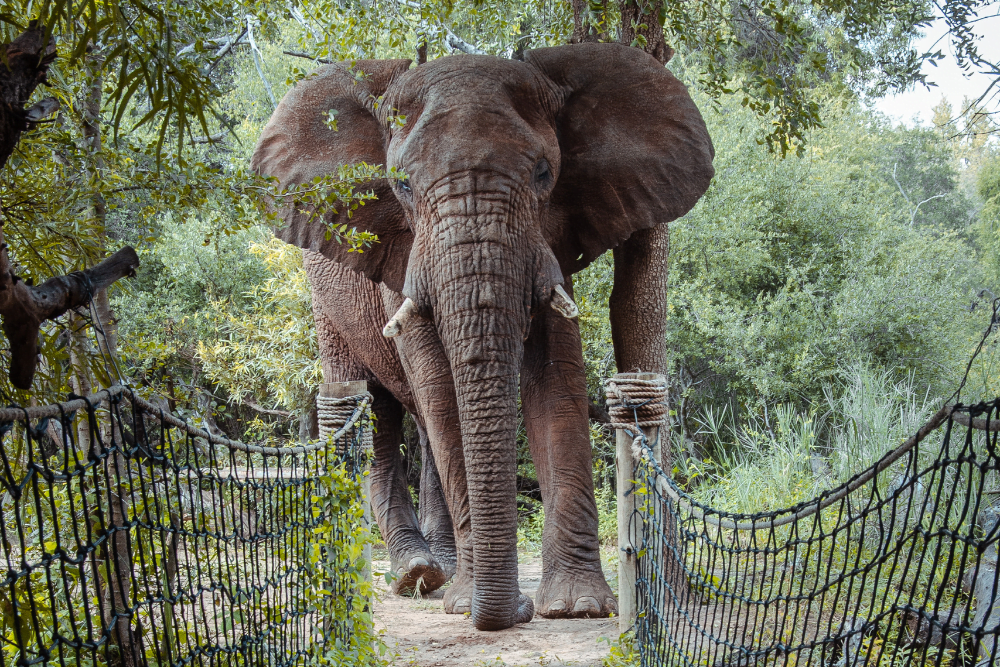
(628, 530)
(343, 390)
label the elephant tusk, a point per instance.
(562, 304)
(400, 322)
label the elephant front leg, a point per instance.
(433, 389)
(638, 303)
(334, 296)
(554, 402)
(411, 557)
(435, 520)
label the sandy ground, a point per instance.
(419, 633)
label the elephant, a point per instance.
(511, 176)
(349, 313)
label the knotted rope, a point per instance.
(667, 487)
(635, 404)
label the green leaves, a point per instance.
(331, 119)
(788, 270)
(776, 54)
(157, 59)
(265, 349)
(328, 195)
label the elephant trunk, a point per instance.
(481, 294)
(486, 387)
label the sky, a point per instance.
(915, 104)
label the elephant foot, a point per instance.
(458, 596)
(524, 611)
(421, 572)
(575, 594)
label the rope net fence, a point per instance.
(898, 566)
(130, 537)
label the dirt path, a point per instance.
(421, 634)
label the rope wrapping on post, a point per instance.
(334, 413)
(637, 410)
(634, 403)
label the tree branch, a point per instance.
(210, 139)
(298, 16)
(901, 190)
(26, 66)
(265, 411)
(37, 112)
(226, 49)
(453, 40)
(913, 209)
(917, 208)
(215, 43)
(23, 307)
(299, 54)
(258, 60)
(456, 42)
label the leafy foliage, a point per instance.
(339, 565)
(267, 350)
(48, 601)
(787, 273)
(156, 60)
(788, 270)
(773, 55)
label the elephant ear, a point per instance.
(635, 150)
(297, 145)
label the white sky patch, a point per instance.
(914, 106)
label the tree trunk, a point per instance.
(27, 62)
(641, 28)
(641, 279)
(106, 327)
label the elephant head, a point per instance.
(519, 173)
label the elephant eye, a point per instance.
(543, 174)
(404, 186)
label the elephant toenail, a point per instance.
(463, 605)
(418, 561)
(558, 605)
(587, 605)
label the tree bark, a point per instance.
(24, 307)
(28, 59)
(104, 320)
(583, 30)
(641, 28)
(641, 279)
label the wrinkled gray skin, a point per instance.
(349, 313)
(520, 174)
